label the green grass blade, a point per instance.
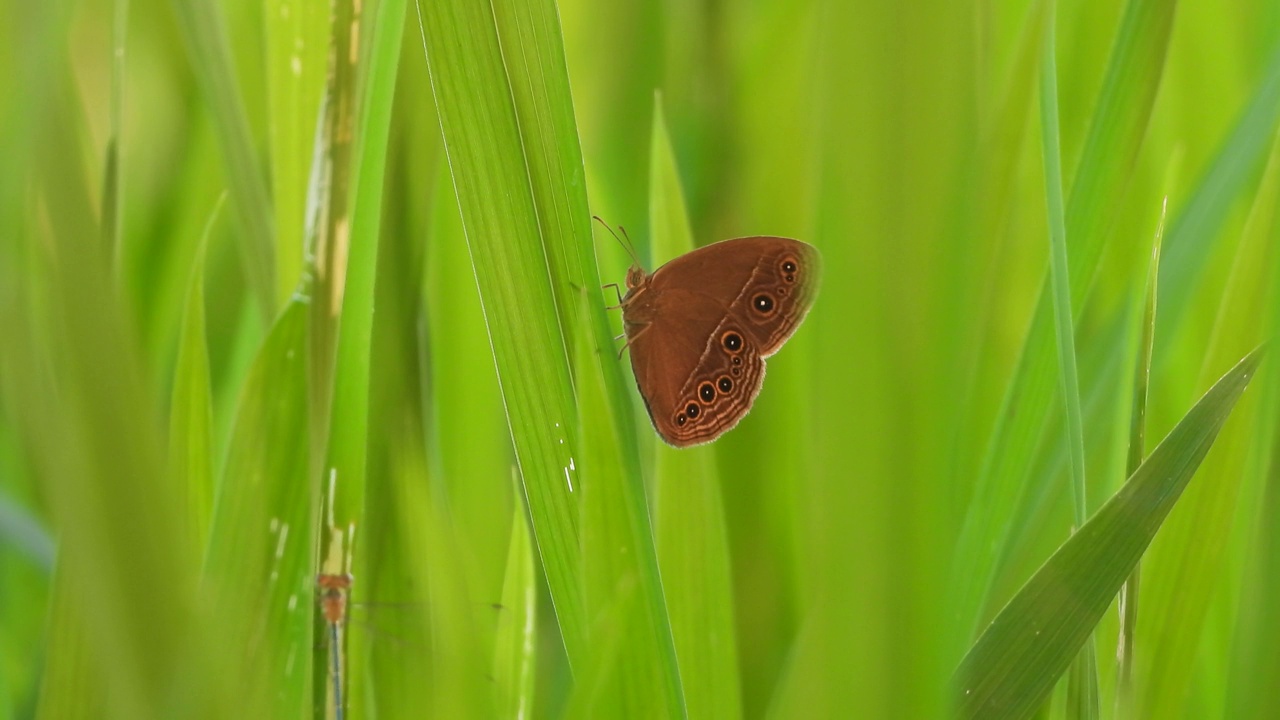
(771, 143)
(529, 33)
(328, 230)
(1082, 687)
(259, 566)
(1082, 683)
(1185, 569)
(693, 548)
(646, 681)
(993, 198)
(513, 658)
(296, 59)
(71, 666)
(398, 669)
(512, 149)
(879, 212)
(531, 42)
(501, 225)
(348, 427)
(530, 36)
(1193, 234)
(190, 461)
(1117, 128)
(1015, 663)
(1255, 668)
(354, 272)
(99, 458)
(204, 33)
(1060, 276)
(112, 185)
(471, 447)
(459, 686)
(1116, 132)
(1136, 454)
(595, 689)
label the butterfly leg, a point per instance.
(617, 292)
(630, 340)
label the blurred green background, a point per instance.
(282, 294)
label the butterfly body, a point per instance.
(700, 327)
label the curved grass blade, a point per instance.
(113, 182)
(70, 686)
(190, 460)
(296, 61)
(1014, 664)
(1192, 236)
(1136, 453)
(595, 689)
(513, 657)
(205, 37)
(689, 524)
(258, 567)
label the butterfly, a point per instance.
(700, 327)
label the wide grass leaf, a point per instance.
(531, 42)
(513, 657)
(191, 409)
(621, 578)
(491, 179)
(296, 60)
(1013, 666)
(693, 549)
(532, 46)
(258, 568)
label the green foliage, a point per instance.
(388, 353)
(688, 510)
(1012, 667)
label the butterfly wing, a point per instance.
(701, 328)
(680, 354)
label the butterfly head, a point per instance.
(636, 277)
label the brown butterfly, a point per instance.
(700, 327)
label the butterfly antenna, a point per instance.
(631, 250)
